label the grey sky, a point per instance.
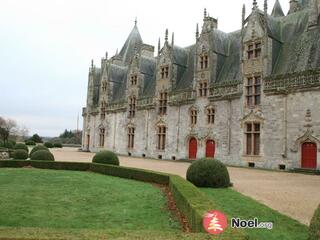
(46, 47)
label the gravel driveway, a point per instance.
(295, 195)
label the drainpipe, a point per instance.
(229, 127)
(285, 124)
(114, 131)
(178, 129)
(147, 129)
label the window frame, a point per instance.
(254, 50)
(132, 106)
(163, 103)
(102, 137)
(253, 91)
(210, 115)
(131, 135)
(203, 88)
(161, 137)
(252, 139)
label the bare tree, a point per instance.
(7, 127)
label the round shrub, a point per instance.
(13, 142)
(8, 145)
(30, 143)
(20, 154)
(57, 145)
(314, 229)
(106, 157)
(208, 173)
(21, 146)
(48, 144)
(37, 148)
(43, 155)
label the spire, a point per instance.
(172, 39)
(197, 31)
(166, 35)
(243, 14)
(117, 52)
(265, 7)
(255, 5)
(159, 48)
(135, 21)
(277, 10)
(205, 13)
(92, 64)
(106, 56)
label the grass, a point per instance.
(69, 199)
(237, 205)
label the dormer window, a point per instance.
(132, 107)
(163, 101)
(210, 115)
(203, 89)
(204, 61)
(254, 50)
(253, 91)
(103, 110)
(104, 86)
(164, 72)
(134, 80)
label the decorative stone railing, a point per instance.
(117, 107)
(229, 90)
(182, 97)
(292, 82)
(4, 154)
(145, 103)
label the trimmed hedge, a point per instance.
(208, 173)
(314, 229)
(42, 155)
(48, 144)
(20, 154)
(106, 157)
(22, 146)
(190, 200)
(57, 145)
(130, 173)
(37, 148)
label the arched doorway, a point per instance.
(193, 148)
(309, 155)
(210, 148)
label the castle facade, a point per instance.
(248, 98)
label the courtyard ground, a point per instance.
(295, 195)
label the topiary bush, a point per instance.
(57, 145)
(30, 143)
(20, 154)
(21, 146)
(106, 157)
(43, 155)
(37, 148)
(314, 229)
(208, 173)
(48, 144)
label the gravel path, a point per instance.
(295, 195)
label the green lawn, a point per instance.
(237, 205)
(69, 199)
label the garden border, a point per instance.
(189, 199)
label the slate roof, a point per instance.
(294, 49)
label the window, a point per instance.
(134, 80)
(163, 100)
(103, 110)
(161, 137)
(193, 115)
(204, 61)
(253, 91)
(101, 141)
(210, 115)
(164, 72)
(132, 107)
(203, 89)
(253, 138)
(104, 86)
(254, 50)
(131, 137)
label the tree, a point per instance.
(36, 138)
(7, 127)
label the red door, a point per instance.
(309, 155)
(193, 147)
(210, 149)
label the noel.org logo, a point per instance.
(215, 222)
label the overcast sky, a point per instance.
(46, 47)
